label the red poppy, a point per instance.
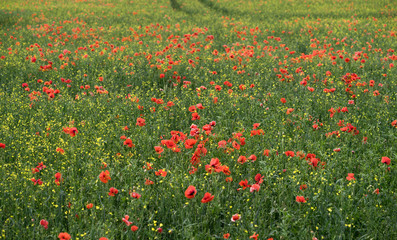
(300, 199)
(259, 178)
(64, 236)
(73, 131)
(129, 143)
(394, 124)
(140, 122)
(148, 182)
(2, 145)
(104, 176)
(255, 187)
(207, 197)
(89, 206)
(44, 223)
(283, 100)
(289, 153)
(158, 149)
(189, 143)
(266, 152)
(226, 236)
(236, 217)
(190, 192)
(244, 184)
(134, 228)
(350, 176)
(135, 195)
(290, 110)
(125, 220)
(113, 191)
(242, 159)
(386, 160)
(254, 236)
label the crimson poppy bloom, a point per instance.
(113, 191)
(104, 176)
(125, 220)
(207, 197)
(2, 145)
(44, 223)
(386, 160)
(89, 206)
(135, 195)
(64, 236)
(255, 187)
(254, 236)
(350, 176)
(226, 236)
(236, 217)
(73, 131)
(300, 199)
(140, 122)
(266, 152)
(189, 143)
(129, 143)
(190, 192)
(134, 228)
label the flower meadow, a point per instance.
(227, 119)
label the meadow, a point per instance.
(207, 119)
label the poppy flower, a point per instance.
(266, 152)
(129, 143)
(158, 149)
(283, 100)
(2, 145)
(189, 143)
(73, 131)
(386, 160)
(125, 220)
(148, 182)
(103, 238)
(190, 192)
(394, 124)
(290, 110)
(161, 172)
(244, 184)
(289, 153)
(226, 236)
(350, 176)
(44, 223)
(140, 122)
(236, 217)
(259, 178)
(104, 176)
(300, 199)
(89, 206)
(134, 228)
(113, 191)
(135, 195)
(255, 187)
(207, 197)
(254, 236)
(64, 236)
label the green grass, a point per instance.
(111, 60)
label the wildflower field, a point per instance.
(198, 119)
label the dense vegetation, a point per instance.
(198, 119)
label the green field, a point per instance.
(198, 119)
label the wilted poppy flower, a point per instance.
(300, 199)
(104, 176)
(236, 217)
(207, 197)
(190, 192)
(386, 160)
